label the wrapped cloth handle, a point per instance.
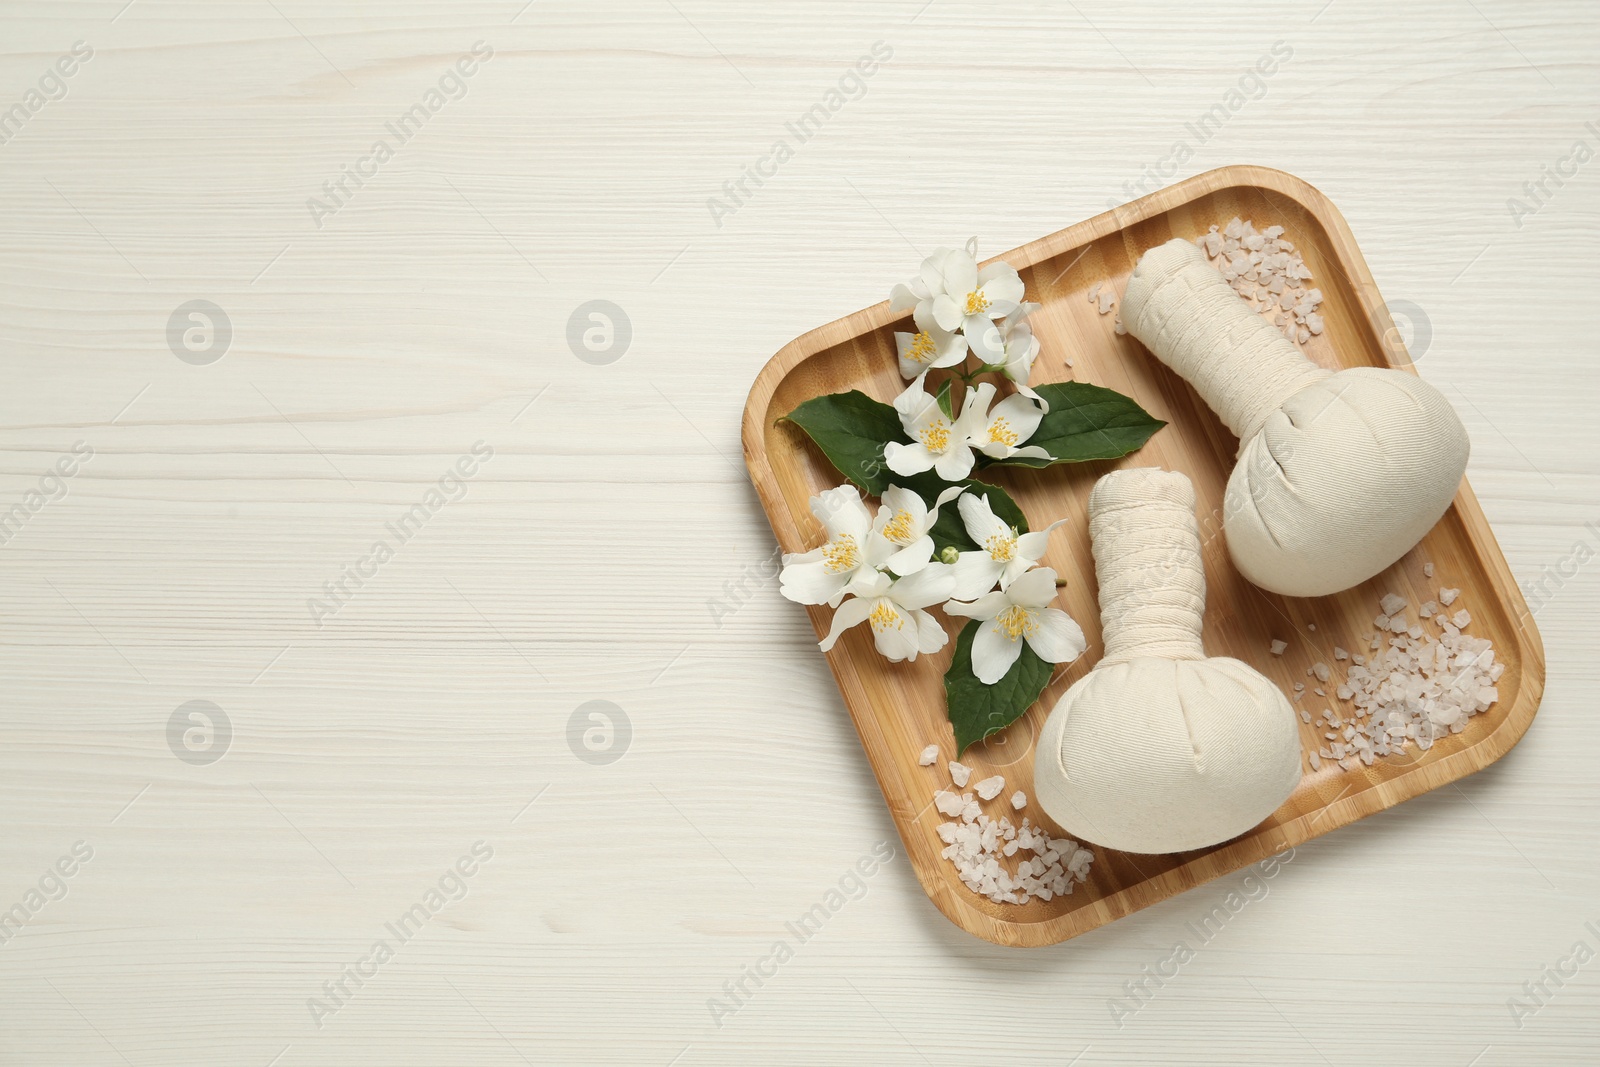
(1147, 558)
(1180, 307)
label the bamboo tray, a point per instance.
(899, 708)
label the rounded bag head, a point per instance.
(1342, 480)
(1157, 755)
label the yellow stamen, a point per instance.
(921, 349)
(977, 303)
(884, 616)
(840, 554)
(936, 436)
(1016, 621)
(898, 529)
(1001, 433)
(1002, 547)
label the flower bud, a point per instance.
(949, 554)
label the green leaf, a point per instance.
(977, 710)
(1087, 422)
(943, 397)
(851, 429)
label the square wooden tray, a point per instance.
(899, 708)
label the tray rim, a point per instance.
(1242, 851)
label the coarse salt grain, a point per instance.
(929, 756)
(1427, 570)
(1416, 687)
(1448, 596)
(975, 844)
(1268, 274)
(1278, 647)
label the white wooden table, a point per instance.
(611, 549)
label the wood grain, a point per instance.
(617, 512)
(899, 708)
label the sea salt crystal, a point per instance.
(976, 847)
(929, 755)
(1392, 604)
(960, 773)
(1427, 570)
(990, 788)
(1278, 647)
(1019, 800)
(1339, 653)
(1321, 671)
(947, 802)
(1448, 596)
(1419, 686)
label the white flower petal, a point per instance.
(993, 653)
(987, 341)
(928, 586)
(1056, 637)
(1013, 569)
(950, 349)
(913, 557)
(1003, 287)
(984, 607)
(979, 518)
(1014, 317)
(914, 401)
(931, 637)
(907, 459)
(947, 495)
(1025, 452)
(931, 273)
(975, 408)
(955, 463)
(894, 631)
(841, 511)
(852, 612)
(975, 574)
(946, 312)
(973, 325)
(901, 297)
(960, 275)
(811, 582)
(1034, 589)
(1021, 413)
(1025, 390)
(1031, 546)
